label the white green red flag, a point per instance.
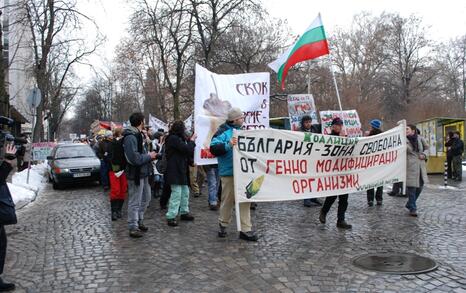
(310, 45)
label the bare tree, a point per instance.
(409, 54)
(55, 36)
(169, 26)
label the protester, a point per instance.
(416, 172)
(457, 149)
(179, 152)
(221, 146)
(118, 181)
(376, 126)
(104, 156)
(157, 144)
(448, 143)
(337, 124)
(307, 126)
(137, 172)
(5, 197)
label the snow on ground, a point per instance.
(22, 192)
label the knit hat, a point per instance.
(108, 133)
(234, 114)
(337, 121)
(376, 123)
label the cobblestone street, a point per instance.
(66, 242)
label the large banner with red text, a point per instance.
(215, 94)
(277, 165)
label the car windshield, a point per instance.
(82, 151)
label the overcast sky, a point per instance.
(446, 19)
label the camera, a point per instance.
(6, 138)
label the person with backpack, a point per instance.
(137, 172)
(118, 182)
(179, 152)
(221, 146)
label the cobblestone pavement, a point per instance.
(66, 242)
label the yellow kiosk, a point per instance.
(435, 131)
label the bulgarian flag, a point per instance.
(310, 45)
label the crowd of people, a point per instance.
(139, 163)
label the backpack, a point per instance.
(117, 156)
(161, 164)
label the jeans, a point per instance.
(179, 201)
(139, 197)
(413, 194)
(212, 182)
(104, 169)
(378, 194)
(342, 205)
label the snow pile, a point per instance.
(23, 193)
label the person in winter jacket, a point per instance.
(307, 126)
(137, 172)
(179, 153)
(457, 149)
(337, 125)
(118, 181)
(416, 172)
(222, 147)
(376, 126)
(104, 156)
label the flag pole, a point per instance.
(334, 81)
(309, 77)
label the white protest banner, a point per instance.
(40, 150)
(300, 106)
(156, 124)
(189, 123)
(278, 165)
(216, 94)
(350, 118)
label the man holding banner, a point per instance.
(222, 147)
(337, 124)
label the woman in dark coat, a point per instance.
(179, 153)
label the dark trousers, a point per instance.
(457, 167)
(3, 243)
(397, 188)
(378, 194)
(449, 169)
(165, 197)
(117, 205)
(342, 205)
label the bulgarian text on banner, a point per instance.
(276, 165)
(216, 94)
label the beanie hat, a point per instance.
(376, 123)
(337, 121)
(108, 133)
(234, 114)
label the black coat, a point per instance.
(179, 154)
